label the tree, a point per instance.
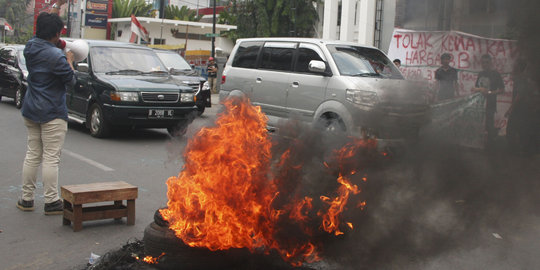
(184, 13)
(275, 18)
(124, 8)
(14, 11)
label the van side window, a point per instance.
(278, 56)
(246, 54)
(305, 55)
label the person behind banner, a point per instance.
(522, 128)
(446, 77)
(490, 83)
(397, 62)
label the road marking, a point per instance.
(87, 160)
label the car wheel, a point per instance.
(98, 127)
(200, 109)
(179, 129)
(332, 123)
(19, 97)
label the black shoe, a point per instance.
(54, 208)
(25, 205)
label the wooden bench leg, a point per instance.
(130, 212)
(77, 217)
(118, 205)
(67, 206)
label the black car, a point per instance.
(124, 85)
(182, 70)
(13, 73)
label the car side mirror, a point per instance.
(82, 67)
(317, 66)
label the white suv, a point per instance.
(340, 85)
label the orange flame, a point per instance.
(151, 260)
(226, 196)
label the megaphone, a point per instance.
(78, 47)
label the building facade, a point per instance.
(486, 18)
(367, 22)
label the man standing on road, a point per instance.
(212, 74)
(44, 110)
(490, 84)
(446, 77)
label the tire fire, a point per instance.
(231, 193)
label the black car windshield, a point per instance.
(363, 62)
(118, 60)
(173, 60)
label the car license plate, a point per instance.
(160, 113)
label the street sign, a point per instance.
(211, 35)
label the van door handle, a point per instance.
(258, 80)
(295, 84)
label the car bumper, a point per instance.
(139, 116)
(204, 98)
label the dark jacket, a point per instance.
(49, 74)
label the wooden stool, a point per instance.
(76, 195)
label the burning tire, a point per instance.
(160, 239)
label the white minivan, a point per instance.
(339, 85)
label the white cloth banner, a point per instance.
(420, 51)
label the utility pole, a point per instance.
(214, 32)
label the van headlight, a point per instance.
(361, 97)
(125, 96)
(187, 97)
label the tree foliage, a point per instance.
(14, 11)
(275, 18)
(124, 8)
(183, 13)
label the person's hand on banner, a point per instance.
(480, 90)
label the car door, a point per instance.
(306, 89)
(272, 78)
(77, 97)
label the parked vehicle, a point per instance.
(180, 69)
(123, 85)
(13, 73)
(341, 86)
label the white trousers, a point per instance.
(44, 147)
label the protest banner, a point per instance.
(420, 51)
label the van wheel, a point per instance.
(332, 123)
(19, 97)
(98, 127)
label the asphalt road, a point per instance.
(440, 207)
(145, 158)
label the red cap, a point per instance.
(210, 58)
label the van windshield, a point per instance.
(117, 59)
(363, 62)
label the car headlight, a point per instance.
(205, 86)
(125, 96)
(187, 97)
(361, 97)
